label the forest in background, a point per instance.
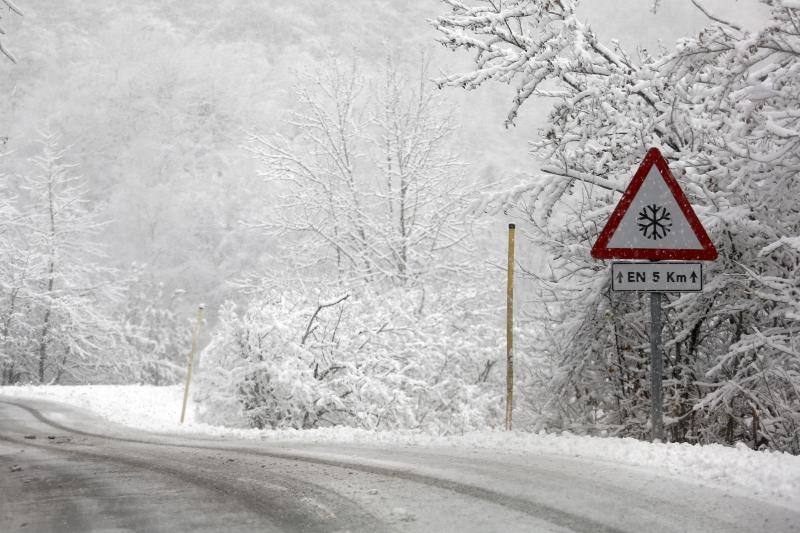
(296, 169)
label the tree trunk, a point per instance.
(50, 280)
(43, 345)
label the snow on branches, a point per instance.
(367, 189)
(53, 328)
(12, 8)
(63, 317)
(360, 360)
(722, 107)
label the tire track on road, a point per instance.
(283, 501)
(534, 509)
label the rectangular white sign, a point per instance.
(657, 277)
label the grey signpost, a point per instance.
(656, 278)
(656, 367)
(655, 223)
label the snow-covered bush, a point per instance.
(155, 337)
(722, 108)
(368, 359)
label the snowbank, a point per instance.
(766, 475)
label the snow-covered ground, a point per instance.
(769, 476)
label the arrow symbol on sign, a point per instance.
(619, 277)
(694, 277)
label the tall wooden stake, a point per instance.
(196, 332)
(510, 328)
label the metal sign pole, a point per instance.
(656, 367)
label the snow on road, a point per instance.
(768, 476)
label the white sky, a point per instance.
(633, 22)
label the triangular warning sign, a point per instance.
(654, 221)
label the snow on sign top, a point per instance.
(654, 220)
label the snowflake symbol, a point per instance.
(654, 221)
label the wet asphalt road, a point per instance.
(65, 470)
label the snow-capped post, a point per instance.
(510, 328)
(195, 333)
(654, 222)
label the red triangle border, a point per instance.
(600, 250)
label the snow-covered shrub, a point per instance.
(154, 336)
(367, 359)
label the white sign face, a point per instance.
(654, 220)
(657, 277)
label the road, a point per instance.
(63, 470)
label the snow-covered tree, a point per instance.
(388, 322)
(742, 142)
(12, 289)
(721, 108)
(67, 291)
(370, 189)
(63, 315)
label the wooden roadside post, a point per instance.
(510, 328)
(195, 333)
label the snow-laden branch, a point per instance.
(3, 49)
